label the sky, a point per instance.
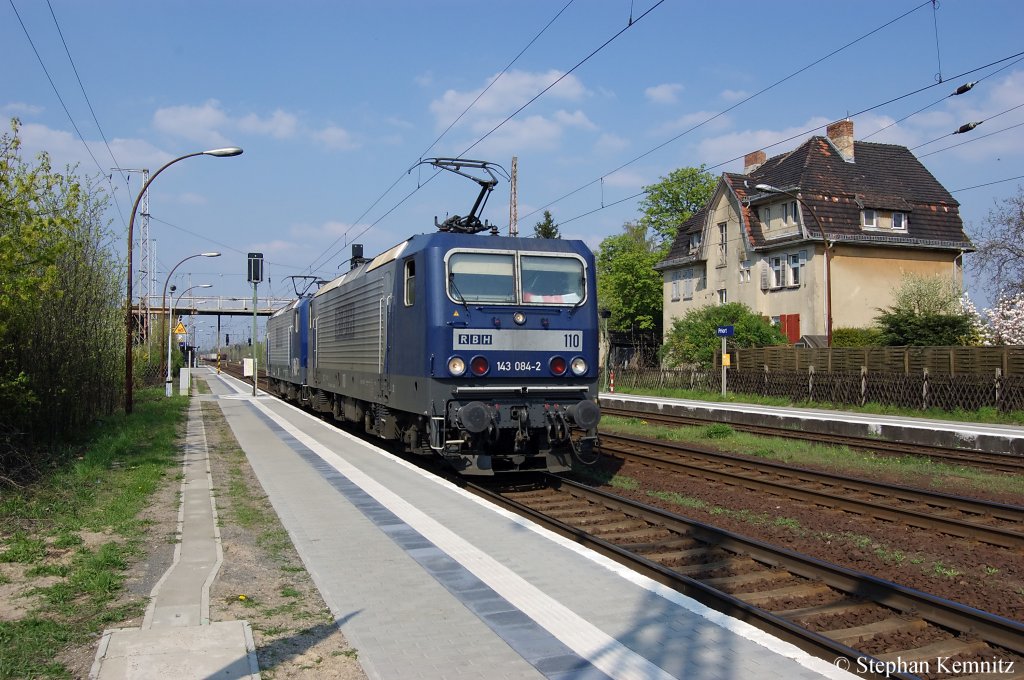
(335, 103)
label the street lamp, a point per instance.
(768, 188)
(168, 387)
(163, 301)
(128, 378)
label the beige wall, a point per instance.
(863, 277)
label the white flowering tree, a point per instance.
(1006, 320)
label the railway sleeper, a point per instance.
(943, 648)
(893, 624)
(801, 591)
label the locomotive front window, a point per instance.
(481, 277)
(552, 280)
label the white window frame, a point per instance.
(723, 296)
(777, 265)
(903, 221)
(796, 266)
(723, 237)
(687, 276)
(676, 275)
(865, 222)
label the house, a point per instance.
(817, 238)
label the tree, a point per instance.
(627, 283)
(692, 338)
(929, 311)
(672, 201)
(999, 258)
(61, 302)
(546, 228)
(1006, 320)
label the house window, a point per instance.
(796, 265)
(694, 242)
(723, 296)
(410, 283)
(687, 284)
(766, 216)
(675, 285)
(778, 265)
(868, 218)
(794, 215)
(745, 272)
(723, 248)
(899, 221)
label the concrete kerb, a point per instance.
(177, 638)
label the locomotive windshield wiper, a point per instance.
(455, 289)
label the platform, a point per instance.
(427, 581)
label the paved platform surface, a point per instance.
(429, 582)
(176, 639)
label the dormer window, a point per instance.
(694, 242)
(868, 218)
(899, 221)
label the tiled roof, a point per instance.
(883, 176)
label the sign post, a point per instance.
(724, 332)
(255, 277)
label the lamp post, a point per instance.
(168, 386)
(128, 378)
(828, 254)
(163, 301)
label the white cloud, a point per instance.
(666, 93)
(201, 124)
(733, 95)
(336, 138)
(735, 145)
(609, 143)
(625, 179)
(424, 79)
(280, 125)
(689, 120)
(509, 92)
(21, 108)
(575, 119)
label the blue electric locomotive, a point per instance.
(481, 349)
(288, 348)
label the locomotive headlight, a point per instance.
(456, 366)
(579, 366)
(519, 318)
(479, 365)
(557, 365)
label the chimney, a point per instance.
(752, 161)
(841, 135)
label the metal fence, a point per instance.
(913, 379)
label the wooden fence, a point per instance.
(949, 378)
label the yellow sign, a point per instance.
(726, 360)
(180, 329)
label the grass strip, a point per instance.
(106, 482)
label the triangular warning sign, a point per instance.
(455, 313)
(180, 329)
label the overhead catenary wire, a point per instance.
(441, 136)
(60, 99)
(633, 22)
(730, 108)
(803, 133)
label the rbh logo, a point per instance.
(475, 339)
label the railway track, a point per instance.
(830, 611)
(992, 523)
(992, 462)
